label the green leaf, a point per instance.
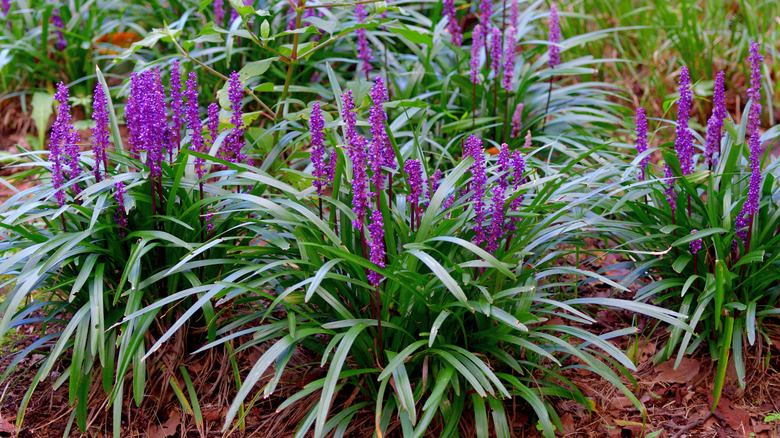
(331, 379)
(444, 276)
(41, 111)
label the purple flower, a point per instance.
(478, 183)
(477, 42)
(356, 149)
(754, 92)
(497, 221)
(146, 118)
(234, 143)
(554, 52)
(119, 216)
(317, 126)
(504, 162)
(453, 26)
(193, 120)
(219, 12)
(715, 124)
(485, 12)
(212, 123)
(364, 51)
(696, 245)
(432, 186)
(495, 50)
(100, 130)
(382, 150)
(641, 140)
(517, 120)
(56, 20)
(509, 59)
(176, 105)
(518, 165)
(684, 142)
(350, 119)
(414, 170)
(514, 13)
(376, 230)
(6, 5)
(669, 193)
(73, 149)
(750, 207)
(60, 132)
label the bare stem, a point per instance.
(547, 106)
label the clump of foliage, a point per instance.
(709, 228)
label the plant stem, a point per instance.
(473, 104)
(379, 320)
(547, 106)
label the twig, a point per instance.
(690, 426)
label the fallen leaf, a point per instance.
(687, 370)
(737, 419)
(167, 429)
(6, 427)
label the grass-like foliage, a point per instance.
(710, 230)
(443, 329)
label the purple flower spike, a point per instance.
(317, 127)
(212, 123)
(100, 130)
(146, 119)
(696, 245)
(453, 26)
(504, 162)
(234, 142)
(517, 120)
(357, 153)
(478, 183)
(514, 13)
(433, 185)
(554, 52)
(715, 124)
(382, 150)
(414, 170)
(119, 215)
(376, 230)
(684, 142)
(754, 92)
(364, 51)
(641, 140)
(56, 20)
(176, 106)
(485, 12)
(356, 149)
(477, 42)
(219, 12)
(60, 136)
(518, 164)
(497, 221)
(193, 120)
(6, 5)
(669, 193)
(750, 207)
(509, 59)
(73, 149)
(495, 50)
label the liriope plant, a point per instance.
(114, 246)
(426, 294)
(708, 230)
